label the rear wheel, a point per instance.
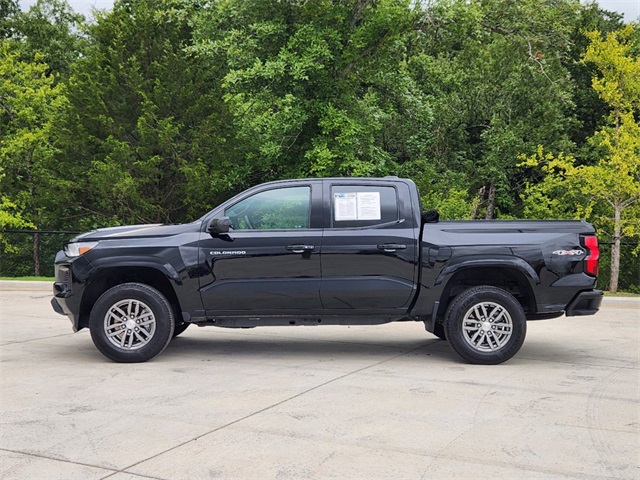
(132, 322)
(485, 325)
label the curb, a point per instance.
(621, 299)
(24, 285)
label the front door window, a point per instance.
(278, 209)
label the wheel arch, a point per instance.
(508, 277)
(108, 277)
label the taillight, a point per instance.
(593, 255)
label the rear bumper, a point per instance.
(585, 303)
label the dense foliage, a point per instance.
(159, 109)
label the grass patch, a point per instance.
(30, 279)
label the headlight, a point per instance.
(78, 248)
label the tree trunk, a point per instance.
(491, 201)
(615, 250)
(477, 202)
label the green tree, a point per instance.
(30, 102)
(10, 217)
(605, 193)
(590, 108)
(52, 30)
(8, 9)
(147, 128)
(495, 69)
(608, 191)
(617, 175)
(317, 88)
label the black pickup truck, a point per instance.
(348, 251)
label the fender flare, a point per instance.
(159, 264)
(502, 261)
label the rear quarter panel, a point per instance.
(547, 253)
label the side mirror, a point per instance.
(219, 226)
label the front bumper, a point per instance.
(67, 291)
(585, 303)
(57, 307)
(63, 303)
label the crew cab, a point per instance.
(347, 251)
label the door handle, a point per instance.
(300, 248)
(391, 247)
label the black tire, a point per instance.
(438, 331)
(179, 328)
(485, 325)
(131, 323)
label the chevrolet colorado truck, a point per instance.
(348, 251)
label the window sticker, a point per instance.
(356, 206)
(345, 207)
(368, 206)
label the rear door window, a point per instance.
(354, 206)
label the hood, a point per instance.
(137, 231)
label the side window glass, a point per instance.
(278, 209)
(362, 206)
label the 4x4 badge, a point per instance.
(568, 252)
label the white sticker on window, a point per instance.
(356, 206)
(368, 206)
(345, 207)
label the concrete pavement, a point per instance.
(386, 401)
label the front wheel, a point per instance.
(485, 325)
(131, 322)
